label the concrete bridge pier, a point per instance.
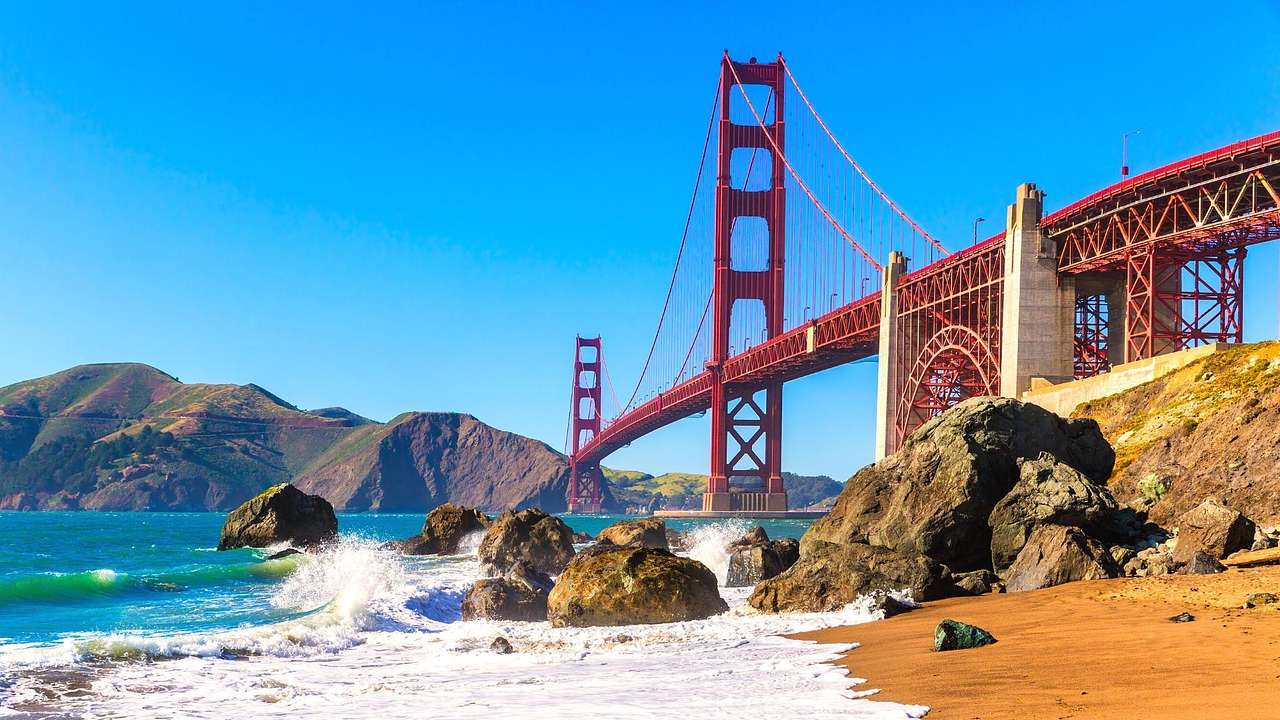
(1037, 324)
(887, 381)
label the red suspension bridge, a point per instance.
(793, 260)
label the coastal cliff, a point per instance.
(1207, 430)
(126, 436)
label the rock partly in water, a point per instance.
(754, 536)
(954, 635)
(616, 585)
(501, 645)
(888, 605)
(281, 513)
(520, 594)
(648, 532)
(829, 576)
(284, 554)
(757, 560)
(1214, 529)
(542, 540)
(1050, 492)
(1054, 555)
(444, 530)
(934, 496)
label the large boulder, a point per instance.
(281, 513)
(1057, 554)
(933, 497)
(618, 585)
(542, 540)
(1052, 493)
(829, 576)
(1214, 529)
(520, 594)
(755, 557)
(649, 532)
(444, 529)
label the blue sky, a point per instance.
(395, 207)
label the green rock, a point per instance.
(953, 635)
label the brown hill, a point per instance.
(126, 436)
(1211, 429)
(426, 459)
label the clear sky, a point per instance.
(416, 207)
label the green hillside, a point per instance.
(677, 491)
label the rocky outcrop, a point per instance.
(649, 532)
(1207, 430)
(281, 513)
(610, 585)
(754, 557)
(520, 594)
(1056, 554)
(1052, 493)
(829, 576)
(1213, 529)
(541, 540)
(935, 495)
(444, 530)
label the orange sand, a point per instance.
(1100, 649)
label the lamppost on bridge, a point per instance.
(975, 228)
(1124, 153)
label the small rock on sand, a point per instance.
(955, 635)
(1262, 598)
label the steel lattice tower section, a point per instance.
(746, 422)
(585, 481)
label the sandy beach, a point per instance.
(1099, 649)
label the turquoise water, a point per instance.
(75, 574)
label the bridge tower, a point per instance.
(746, 423)
(585, 480)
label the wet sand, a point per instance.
(1099, 649)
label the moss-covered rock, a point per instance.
(610, 585)
(444, 529)
(649, 532)
(281, 513)
(531, 535)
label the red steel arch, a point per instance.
(955, 364)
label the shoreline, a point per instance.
(1093, 649)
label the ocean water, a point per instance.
(136, 614)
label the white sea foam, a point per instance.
(708, 544)
(381, 638)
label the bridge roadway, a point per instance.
(1092, 234)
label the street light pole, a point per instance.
(1124, 153)
(975, 228)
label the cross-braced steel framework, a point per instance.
(746, 423)
(1091, 355)
(948, 335)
